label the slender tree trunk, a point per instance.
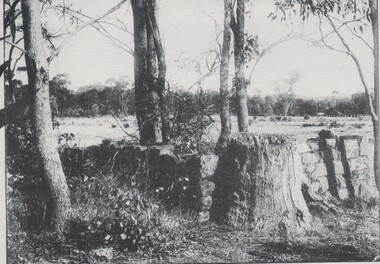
(374, 108)
(225, 118)
(146, 98)
(11, 21)
(375, 30)
(238, 26)
(375, 121)
(287, 106)
(38, 79)
(124, 106)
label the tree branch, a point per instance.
(14, 45)
(118, 123)
(360, 37)
(269, 48)
(359, 68)
(323, 40)
(94, 20)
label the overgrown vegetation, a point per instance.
(106, 213)
(102, 230)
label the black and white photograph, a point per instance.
(198, 131)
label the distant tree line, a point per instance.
(271, 105)
(118, 99)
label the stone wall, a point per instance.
(334, 168)
(338, 167)
(178, 181)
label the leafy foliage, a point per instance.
(192, 119)
(304, 8)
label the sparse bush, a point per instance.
(336, 124)
(320, 124)
(66, 140)
(359, 125)
(191, 124)
(273, 119)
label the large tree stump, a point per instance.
(259, 182)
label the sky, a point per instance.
(188, 29)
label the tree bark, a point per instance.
(375, 31)
(146, 98)
(287, 106)
(238, 26)
(38, 78)
(376, 132)
(150, 75)
(259, 182)
(161, 67)
(225, 118)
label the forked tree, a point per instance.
(285, 93)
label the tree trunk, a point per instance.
(287, 106)
(375, 30)
(147, 111)
(124, 105)
(225, 118)
(160, 80)
(259, 182)
(38, 78)
(376, 121)
(238, 26)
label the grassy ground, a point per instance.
(166, 236)
(349, 235)
(353, 240)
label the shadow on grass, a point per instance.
(333, 253)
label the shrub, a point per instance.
(190, 133)
(336, 124)
(359, 125)
(106, 214)
(67, 140)
(24, 171)
(320, 124)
